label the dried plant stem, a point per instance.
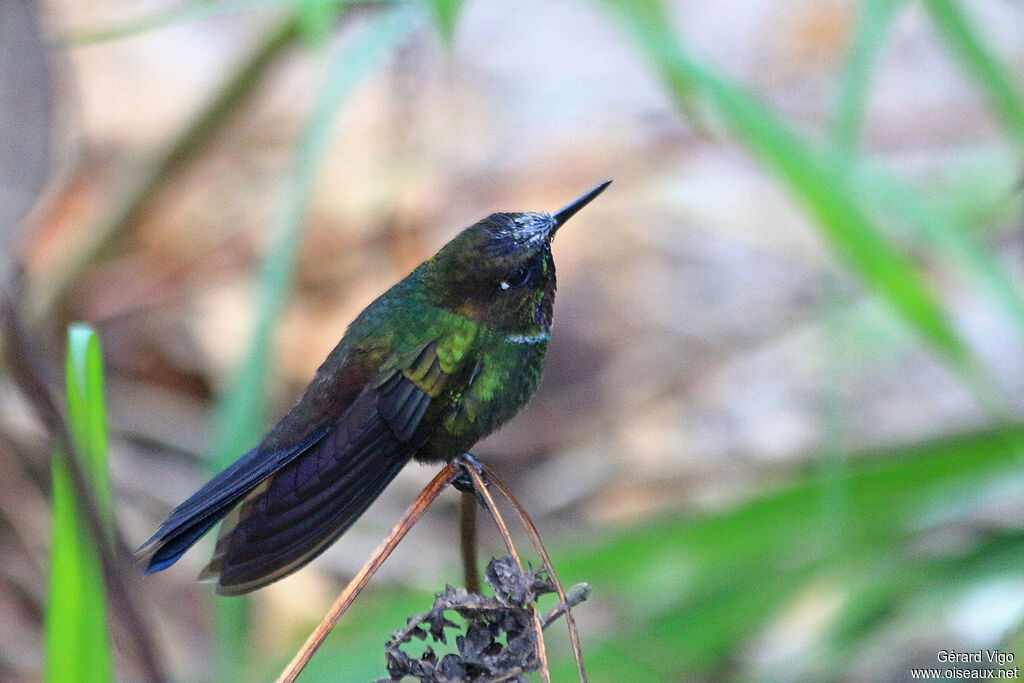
(412, 515)
(531, 531)
(467, 541)
(469, 465)
(575, 596)
(542, 652)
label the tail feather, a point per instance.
(266, 540)
(160, 553)
(202, 510)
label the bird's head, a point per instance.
(500, 271)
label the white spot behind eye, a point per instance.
(505, 285)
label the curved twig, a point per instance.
(469, 466)
(531, 531)
(412, 515)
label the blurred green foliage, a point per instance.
(969, 49)
(816, 182)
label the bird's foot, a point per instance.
(463, 481)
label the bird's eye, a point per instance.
(517, 279)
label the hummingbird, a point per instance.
(440, 360)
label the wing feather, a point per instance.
(202, 510)
(306, 506)
(288, 499)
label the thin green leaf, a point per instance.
(446, 15)
(894, 198)
(77, 643)
(875, 19)
(316, 17)
(962, 39)
(818, 185)
(897, 585)
(962, 243)
(86, 411)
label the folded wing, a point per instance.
(284, 504)
(296, 514)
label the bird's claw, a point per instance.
(463, 480)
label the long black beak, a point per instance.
(570, 209)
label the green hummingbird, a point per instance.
(437, 362)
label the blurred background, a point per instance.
(781, 427)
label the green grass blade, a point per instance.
(961, 243)
(77, 646)
(77, 643)
(815, 183)
(875, 19)
(962, 39)
(873, 23)
(896, 584)
(446, 14)
(86, 411)
(242, 407)
(316, 17)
